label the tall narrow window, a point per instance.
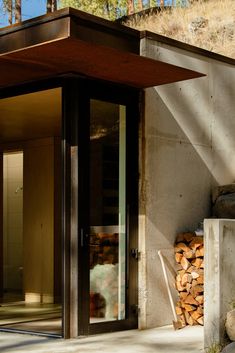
(107, 211)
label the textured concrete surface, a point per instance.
(177, 181)
(186, 148)
(219, 276)
(161, 340)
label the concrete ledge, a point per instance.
(219, 276)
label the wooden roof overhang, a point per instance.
(70, 41)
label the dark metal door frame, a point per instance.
(76, 130)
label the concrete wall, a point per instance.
(219, 277)
(187, 146)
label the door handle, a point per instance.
(83, 237)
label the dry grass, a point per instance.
(217, 29)
(214, 348)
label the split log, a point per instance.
(181, 273)
(179, 287)
(178, 257)
(200, 310)
(189, 254)
(190, 300)
(196, 315)
(182, 320)
(188, 287)
(189, 307)
(194, 283)
(197, 262)
(196, 242)
(191, 269)
(178, 278)
(183, 295)
(200, 280)
(181, 247)
(188, 318)
(196, 290)
(201, 320)
(186, 278)
(184, 263)
(200, 251)
(178, 310)
(200, 299)
(195, 274)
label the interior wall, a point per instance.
(57, 221)
(38, 221)
(13, 221)
(187, 147)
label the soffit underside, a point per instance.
(79, 53)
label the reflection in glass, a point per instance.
(107, 211)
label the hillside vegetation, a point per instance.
(208, 24)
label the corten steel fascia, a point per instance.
(67, 23)
(70, 41)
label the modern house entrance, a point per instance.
(98, 166)
(70, 92)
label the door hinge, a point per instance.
(135, 253)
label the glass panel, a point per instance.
(107, 211)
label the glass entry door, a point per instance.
(108, 230)
(101, 279)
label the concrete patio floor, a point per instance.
(158, 340)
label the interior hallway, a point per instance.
(158, 340)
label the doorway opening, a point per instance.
(30, 204)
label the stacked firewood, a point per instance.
(103, 249)
(189, 255)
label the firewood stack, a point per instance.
(189, 255)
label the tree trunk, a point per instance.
(130, 7)
(51, 5)
(17, 11)
(140, 5)
(107, 8)
(9, 11)
(162, 3)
